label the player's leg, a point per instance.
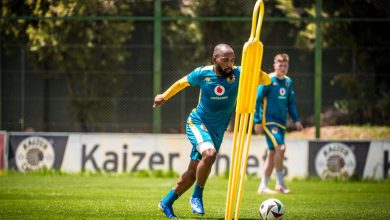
(187, 179)
(267, 171)
(209, 154)
(268, 166)
(204, 151)
(279, 157)
(182, 185)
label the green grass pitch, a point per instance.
(130, 197)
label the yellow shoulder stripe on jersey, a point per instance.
(176, 87)
(209, 67)
(273, 74)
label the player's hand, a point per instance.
(158, 100)
(258, 129)
(299, 126)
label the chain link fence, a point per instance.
(38, 97)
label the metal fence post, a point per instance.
(157, 63)
(318, 69)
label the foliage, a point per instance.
(366, 87)
(205, 35)
(180, 33)
(88, 55)
(360, 103)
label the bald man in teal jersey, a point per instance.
(206, 124)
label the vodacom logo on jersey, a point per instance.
(219, 90)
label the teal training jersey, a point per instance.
(217, 97)
(274, 101)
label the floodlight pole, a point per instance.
(318, 69)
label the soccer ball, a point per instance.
(271, 209)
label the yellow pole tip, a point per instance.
(265, 79)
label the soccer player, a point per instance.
(206, 124)
(273, 103)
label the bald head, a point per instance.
(222, 50)
(223, 59)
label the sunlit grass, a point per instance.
(61, 196)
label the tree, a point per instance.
(90, 54)
(206, 34)
(365, 86)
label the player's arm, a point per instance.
(171, 91)
(292, 109)
(261, 91)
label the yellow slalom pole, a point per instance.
(243, 172)
(249, 135)
(238, 162)
(251, 76)
(233, 175)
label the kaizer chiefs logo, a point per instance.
(219, 90)
(335, 160)
(231, 79)
(34, 153)
(282, 91)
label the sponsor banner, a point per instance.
(124, 152)
(134, 152)
(295, 159)
(378, 161)
(35, 151)
(386, 159)
(75, 152)
(329, 159)
(2, 150)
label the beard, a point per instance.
(228, 72)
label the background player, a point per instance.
(273, 103)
